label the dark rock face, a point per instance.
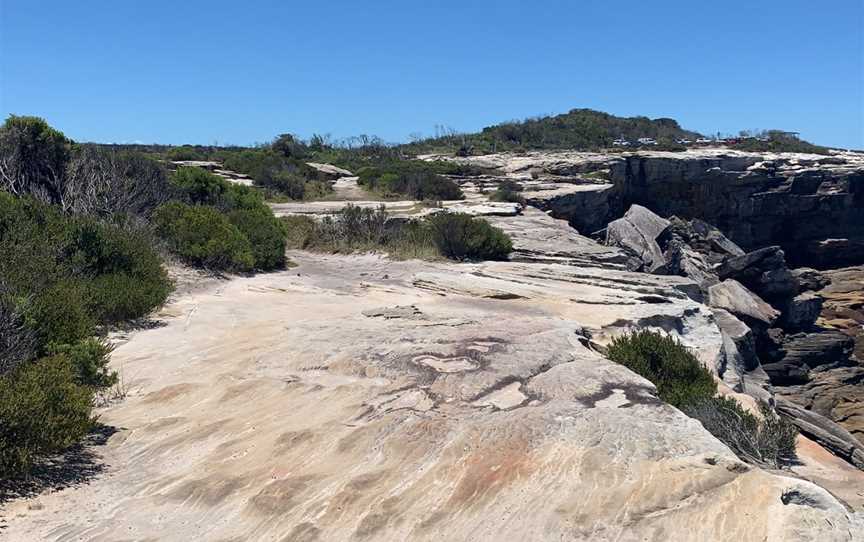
(837, 394)
(802, 352)
(763, 271)
(796, 203)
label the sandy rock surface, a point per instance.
(352, 397)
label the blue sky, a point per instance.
(241, 72)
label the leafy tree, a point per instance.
(33, 158)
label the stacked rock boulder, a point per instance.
(767, 315)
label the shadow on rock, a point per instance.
(76, 466)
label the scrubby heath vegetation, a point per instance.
(455, 236)
(579, 129)
(683, 382)
(777, 141)
(83, 230)
(410, 178)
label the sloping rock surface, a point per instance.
(352, 397)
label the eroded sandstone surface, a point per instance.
(358, 398)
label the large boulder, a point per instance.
(810, 279)
(802, 352)
(827, 433)
(732, 296)
(637, 232)
(763, 271)
(802, 311)
(739, 365)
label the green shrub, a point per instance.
(126, 276)
(197, 186)
(203, 236)
(185, 153)
(767, 441)
(412, 178)
(265, 234)
(33, 158)
(300, 230)
(89, 359)
(680, 377)
(508, 191)
(60, 313)
(463, 237)
(42, 411)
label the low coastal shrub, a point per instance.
(204, 237)
(265, 234)
(44, 409)
(355, 229)
(683, 382)
(680, 377)
(766, 440)
(220, 225)
(462, 237)
(409, 178)
(508, 191)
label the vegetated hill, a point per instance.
(582, 129)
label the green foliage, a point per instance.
(577, 129)
(203, 236)
(463, 237)
(778, 141)
(768, 439)
(278, 171)
(247, 238)
(42, 411)
(680, 378)
(89, 359)
(197, 186)
(508, 191)
(125, 275)
(185, 153)
(265, 233)
(33, 158)
(70, 274)
(355, 229)
(300, 230)
(412, 178)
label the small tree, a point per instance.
(33, 158)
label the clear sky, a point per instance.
(243, 71)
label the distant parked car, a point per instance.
(621, 143)
(683, 141)
(704, 141)
(646, 141)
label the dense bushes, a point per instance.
(203, 236)
(576, 129)
(278, 171)
(463, 237)
(73, 273)
(62, 276)
(414, 179)
(102, 181)
(220, 225)
(682, 381)
(39, 161)
(450, 235)
(42, 410)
